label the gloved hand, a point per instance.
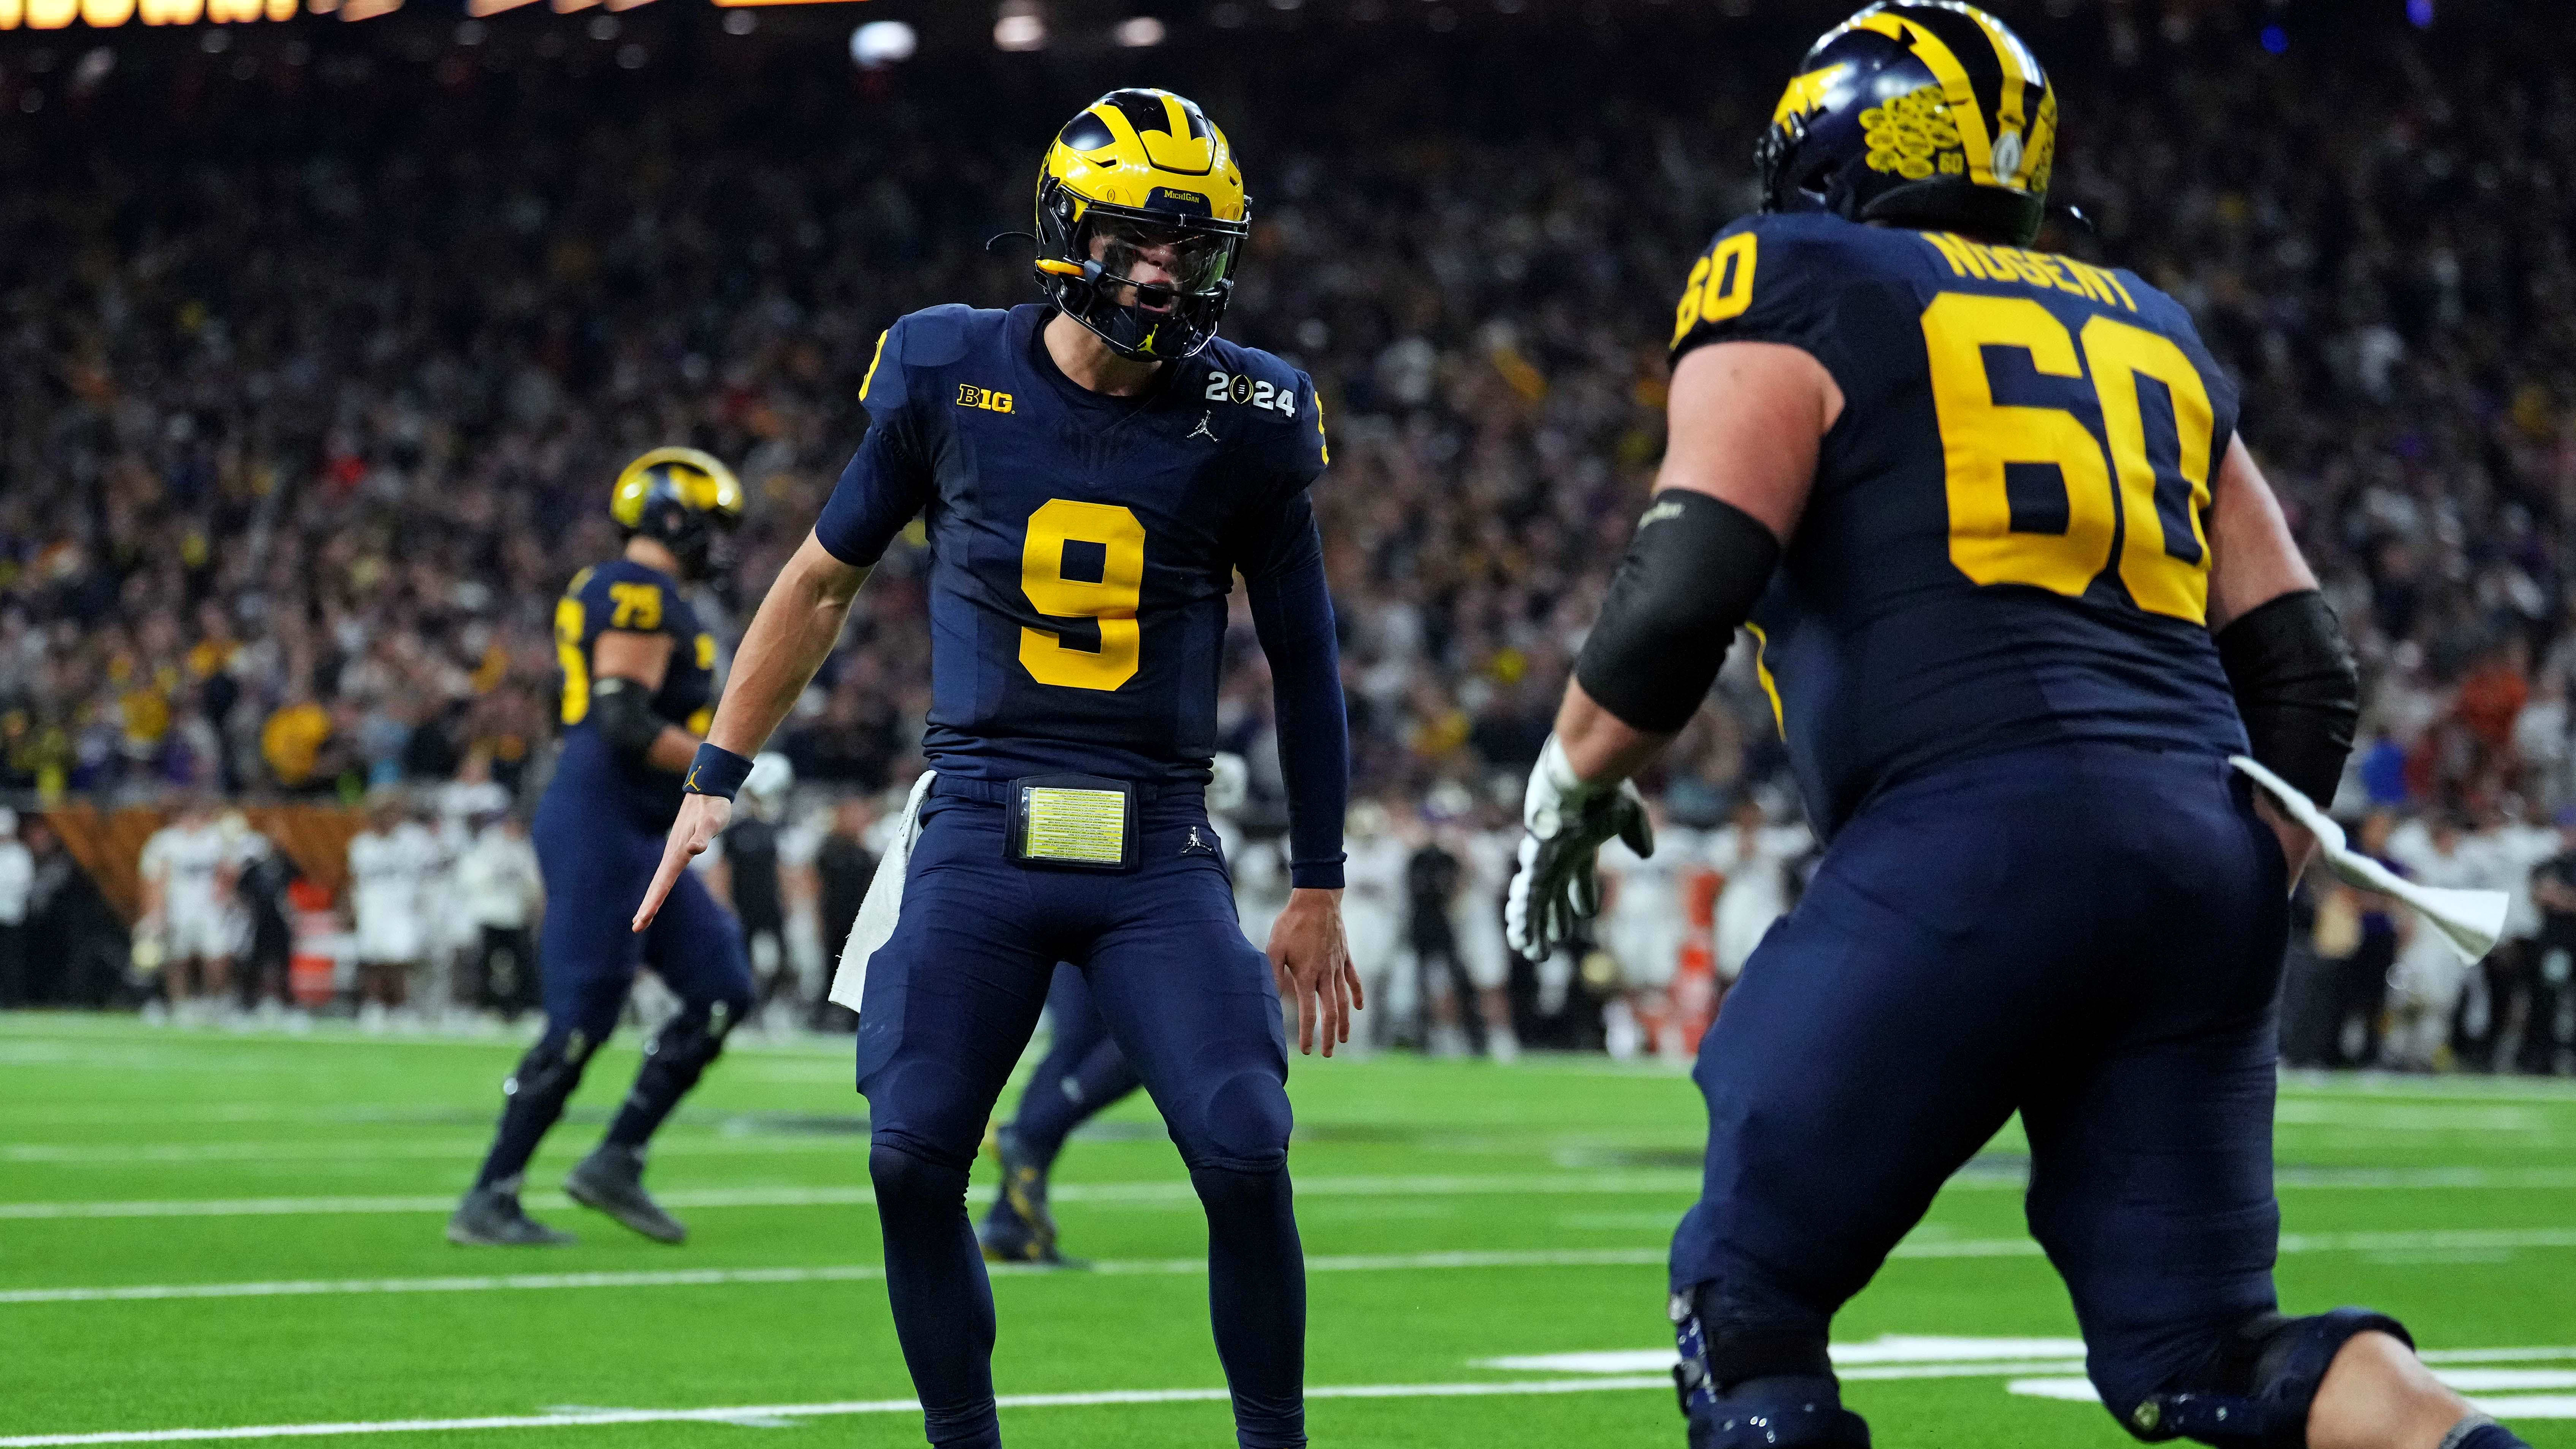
(1559, 880)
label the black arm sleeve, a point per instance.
(624, 717)
(1691, 576)
(2297, 688)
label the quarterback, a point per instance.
(1092, 472)
(2019, 593)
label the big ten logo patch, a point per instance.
(1236, 387)
(971, 396)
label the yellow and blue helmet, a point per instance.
(1136, 171)
(682, 498)
(1920, 113)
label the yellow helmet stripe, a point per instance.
(1807, 92)
(2021, 72)
(1937, 56)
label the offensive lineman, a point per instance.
(1092, 472)
(2019, 592)
(639, 683)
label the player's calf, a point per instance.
(2348, 1379)
(1758, 1383)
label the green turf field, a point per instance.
(201, 1231)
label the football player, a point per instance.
(638, 687)
(2019, 591)
(1092, 471)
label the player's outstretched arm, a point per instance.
(1746, 422)
(798, 623)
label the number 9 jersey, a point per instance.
(1082, 544)
(2006, 541)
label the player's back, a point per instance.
(593, 777)
(2005, 544)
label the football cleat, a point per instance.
(1019, 1229)
(611, 1179)
(490, 1217)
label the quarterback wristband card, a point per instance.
(1073, 822)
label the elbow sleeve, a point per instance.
(2297, 689)
(1689, 581)
(624, 717)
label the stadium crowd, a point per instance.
(313, 371)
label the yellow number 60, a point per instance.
(1111, 600)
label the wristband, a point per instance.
(716, 771)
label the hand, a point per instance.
(1313, 963)
(702, 818)
(1559, 881)
(2298, 844)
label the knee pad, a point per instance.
(908, 1183)
(1755, 1382)
(1243, 1124)
(546, 1076)
(689, 1041)
(2264, 1377)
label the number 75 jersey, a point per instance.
(2006, 544)
(1082, 545)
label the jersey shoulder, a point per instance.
(925, 341)
(1777, 276)
(626, 595)
(1262, 405)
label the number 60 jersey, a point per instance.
(2006, 543)
(1083, 545)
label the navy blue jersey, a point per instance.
(1083, 545)
(624, 595)
(2006, 543)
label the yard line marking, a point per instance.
(1605, 1183)
(829, 1273)
(816, 1411)
(1632, 1183)
(2075, 1390)
(1897, 1349)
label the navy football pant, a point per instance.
(948, 1005)
(1082, 1074)
(2091, 935)
(596, 871)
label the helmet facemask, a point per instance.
(1152, 285)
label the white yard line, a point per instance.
(1591, 1183)
(2500, 1239)
(1642, 1182)
(816, 1411)
(828, 1273)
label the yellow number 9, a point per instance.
(1111, 600)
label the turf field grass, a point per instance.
(203, 1230)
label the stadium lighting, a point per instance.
(2420, 12)
(1139, 32)
(479, 9)
(1019, 26)
(882, 43)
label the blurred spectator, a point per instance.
(17, 879)
(500, 889)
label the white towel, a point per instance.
(2469, 921)
(884, 903)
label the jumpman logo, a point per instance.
(1202, 430)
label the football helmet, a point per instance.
(1918, 113)
(1139, 171)
(682, 498)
